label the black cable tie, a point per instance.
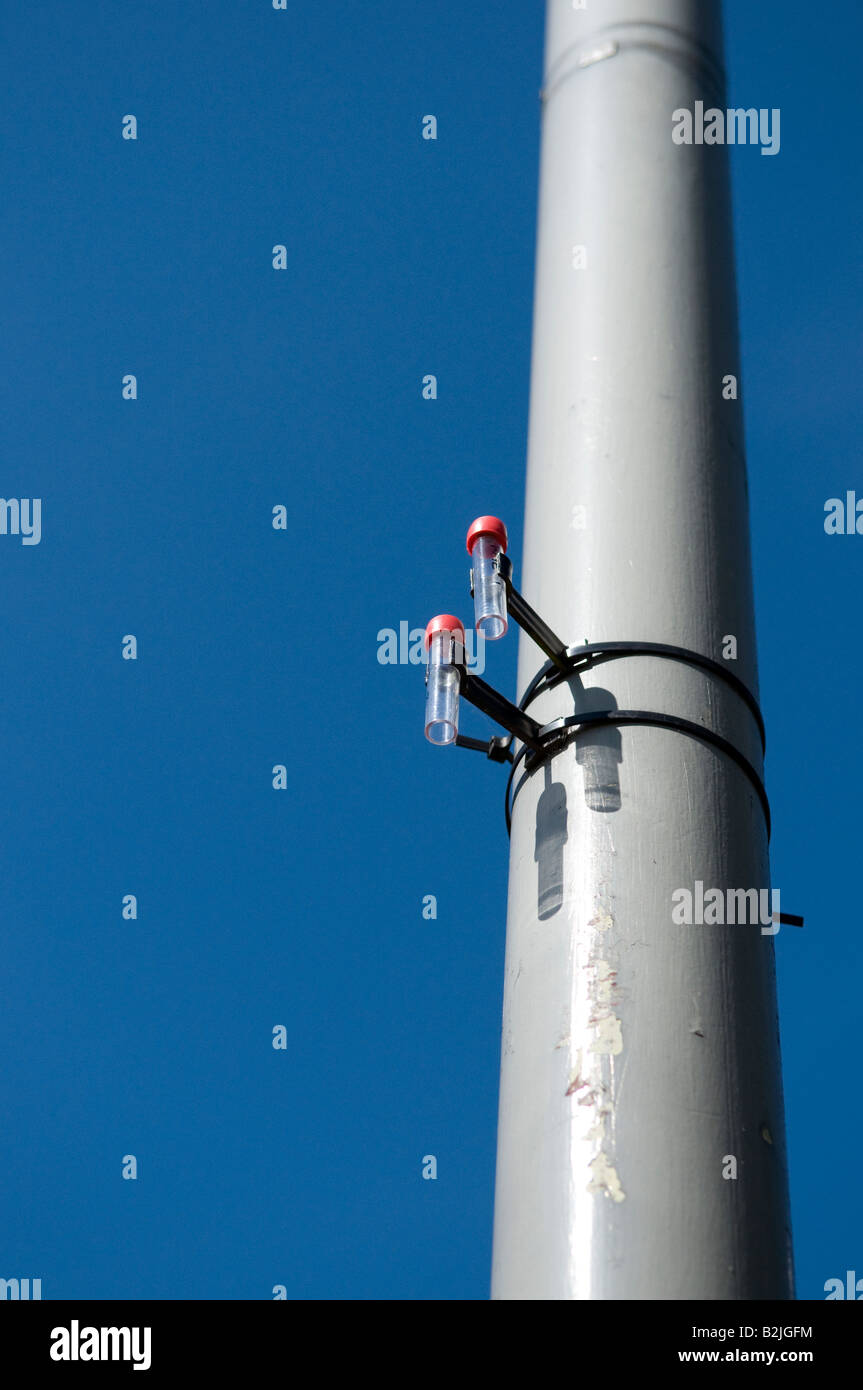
(541, 743)
(556, 735)
(596, 653)
(497, 707)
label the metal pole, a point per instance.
(640, 1059)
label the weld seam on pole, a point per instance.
(622, 38)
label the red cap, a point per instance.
(444, 622)
(486, 526)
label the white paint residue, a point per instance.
(576, 1080)
(605, 1179)
(605, 981)
(591, 1082)
(609, 1037)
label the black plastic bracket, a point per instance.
(498, 749)
(527, 618)
(498, 708)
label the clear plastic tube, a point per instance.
(442, 686)
(489, 589)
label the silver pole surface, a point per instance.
(640, 1058)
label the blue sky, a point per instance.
(259, 647)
